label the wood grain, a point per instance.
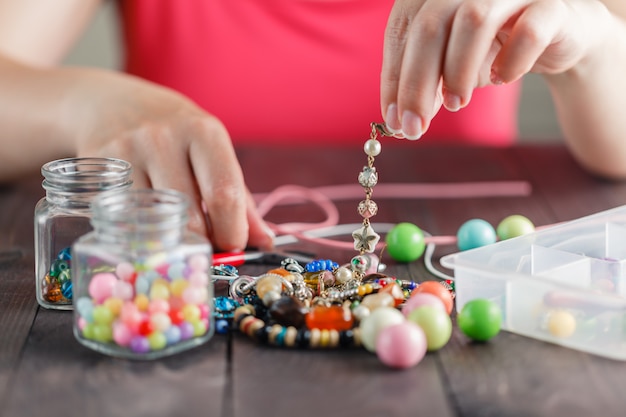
(45, 371)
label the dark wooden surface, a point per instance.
(45, 372)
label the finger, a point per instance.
(260, 235)
(395, 37)
(474, 30)
(221, 186)
(169, 169)
(533, 31)
(421, 66)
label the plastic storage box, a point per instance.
(565, 284)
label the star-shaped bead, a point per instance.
(365, 239)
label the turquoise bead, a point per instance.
(405, 242)
(475, 233)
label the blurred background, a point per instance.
(99, 47)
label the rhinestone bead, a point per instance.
(367, 208)
(368, 177)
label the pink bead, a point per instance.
(195, 295)
(159, 305)
(82, 323)
(374, 261)
(123, 290)
(204, 311)
(422, 299)
(125, 271)
(121, 334)
(198, 279)
(198, 262)
(131, 316)
(401, 345)
(101, 286)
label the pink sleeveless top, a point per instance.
(288, 71)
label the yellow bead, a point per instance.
(368, 288)
(178, 286)
(561, 324)
(142, 302)
(114, 304)
(324, 338)
(361, 290)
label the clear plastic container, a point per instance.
(142, 280)
(63, 215)
(565, 284)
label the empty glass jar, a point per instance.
(64, 214)
(142, 280)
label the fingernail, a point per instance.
(495, 78)
(452, 102)
(411, 125)
(269, 244)
(392, 122)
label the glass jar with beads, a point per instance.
(142, 287)
(64, 214)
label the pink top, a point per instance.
(285, 70)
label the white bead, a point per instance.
(375, 322)
(372, 147)
(343, 275)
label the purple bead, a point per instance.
(186, 330)
(139, 344)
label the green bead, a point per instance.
(435, 323)
(157, 341)
(57, 267)
(405, 242)
(102, 333)
(513, 226)
(480, 319)
(64, 276)
(102, 315)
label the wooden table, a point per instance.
(45, 372)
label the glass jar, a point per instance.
(142, 280)
(63, 215)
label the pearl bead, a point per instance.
(372, 147)
(343, 275)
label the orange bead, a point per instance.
(329, 318)
(435, 288)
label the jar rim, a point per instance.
(88, 174)
(141, 209)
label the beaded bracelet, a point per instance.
(324, 304)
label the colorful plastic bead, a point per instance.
(435, 288)
(561, 323)
(405, 242)
(421, 299)
(513, 226)
(475, 233)
(401, 345)
(435, 323)
(480, 319)
(375, 322)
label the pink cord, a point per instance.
(323, 197)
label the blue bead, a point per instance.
(65, 254)
(475, 233)
(221, 326)
(66, 289)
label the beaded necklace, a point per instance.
(326, 305)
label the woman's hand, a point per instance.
(438, 51)
(171, 143)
